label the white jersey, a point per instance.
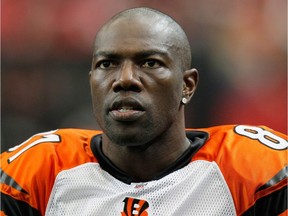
(197, 189)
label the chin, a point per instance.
(127, 138)
(130, 135)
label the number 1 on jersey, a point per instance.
(46, 137)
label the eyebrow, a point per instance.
(106, 54)
(140, 54)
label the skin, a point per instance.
(139, 76)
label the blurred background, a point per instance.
(239, 48)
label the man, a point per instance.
(144, 162)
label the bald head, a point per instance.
(161, 24)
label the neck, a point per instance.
(145, 162)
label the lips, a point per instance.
(126, 110)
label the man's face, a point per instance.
(136, 81)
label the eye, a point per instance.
(106, 64)
(151, 64)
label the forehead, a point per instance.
(132, 34)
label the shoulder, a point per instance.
(245, 146)
(38, 160)
(48, 148)
(51, 142)
(252, 159)
(242, 136)
(48, 153)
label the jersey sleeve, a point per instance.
(22, 173)
(267, 155)
(253, 161)
(28, 171)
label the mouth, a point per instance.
(126, 110)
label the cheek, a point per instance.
(97, 89)
(94, 89)
(97, 96)
(167, 98)
(98, 80)
(170, 88)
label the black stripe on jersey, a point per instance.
(12, 206)
(272, 204)
(8, 180)
(282, 174)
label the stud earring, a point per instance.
(184, 100)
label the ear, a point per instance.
(89, 76)
(190, 82)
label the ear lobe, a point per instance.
(190, 82)
(89, 75)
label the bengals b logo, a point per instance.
(134, 207)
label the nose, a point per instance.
(127, 79)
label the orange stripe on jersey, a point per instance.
(271, 189)
(8, 180)
(282, 174)
(16, 194)
(129, 206)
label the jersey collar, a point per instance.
(197, 139)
